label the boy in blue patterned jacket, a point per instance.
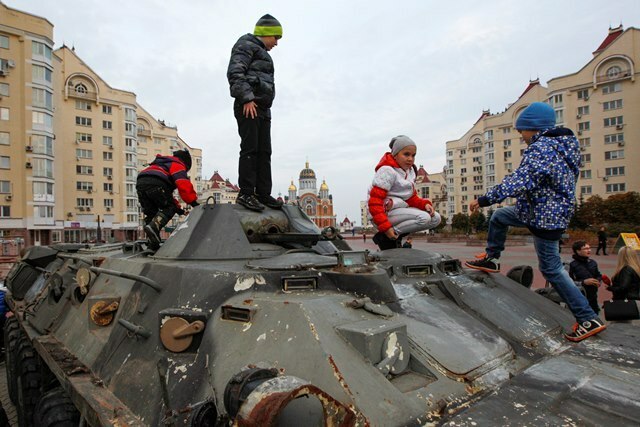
(544, 187)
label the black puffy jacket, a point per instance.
(250, 74)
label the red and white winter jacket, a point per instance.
(392, 188)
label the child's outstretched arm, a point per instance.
(418, 202)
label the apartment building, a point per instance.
(600, 103)
(71, 145)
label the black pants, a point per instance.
(254, 169)
(602, 244)
(592, 296)
(154, 198)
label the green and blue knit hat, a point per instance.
(268, 26)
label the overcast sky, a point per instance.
(350, 75)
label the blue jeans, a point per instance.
(549, 261)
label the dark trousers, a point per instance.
(592, 296)
(254, 169)
(154, 198)
(602, 244)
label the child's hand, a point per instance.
(391, 233)
(474, 205)
(429, 209)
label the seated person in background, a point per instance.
(626, 279)
(584, 271)
(408, 243)
(394, 205)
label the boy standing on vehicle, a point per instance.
(252, 84)
(544, 187)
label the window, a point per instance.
(84, 170)
(463, 170)
(83, 105)
(583, 111)
(107, 171)
(107, 124)
(5, 162)
(42, 98)
(132, 218)
(130, 115)
(5, 211)
(477, 169)
(43, 211)
(585, 174)
(611, 88)
(506, 130)
(4, 42)
(42, 188)
(559, 116)
(107, 155)
(84, 202)
(40, 49)
(613, 121)
(488, 135)
(107, 186)
(106, 109)
(463, 189)
(616, 171)
(585, 158)
(506, 143)
(612, 105)
(4, 89)
(582, 126)
(42, 144)
(107, 140)
(477, 187)
(477, 159)
(5, 138)
(84, 185)
(108, 203)
(4, 113)
(616, 188)
(158, 141)
(132, 204)
(83, 121)
(84, 153)
(144, 151)
(556, 100)
(614, 155)
(42, 121)
(476, 149)
(463, 180)
(41, 74)
(585, 142)
(42, 168)
(507, 155)
(614, 72)
(80, 88)
(585, 189)
(130, 129)
(583, 94)
(83, 137)
(614, 138)
(5, 187)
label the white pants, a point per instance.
(411, 220)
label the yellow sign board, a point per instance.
(631, 240)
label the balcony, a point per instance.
(623, 74)
(91, 96)
(144, 132)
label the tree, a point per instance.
(478, 221)
(622, 208)
(592, 212)
(460, 222)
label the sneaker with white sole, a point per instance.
(490, 265)
(586, 329)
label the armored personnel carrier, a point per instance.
(260, 319)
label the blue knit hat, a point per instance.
(537, 116)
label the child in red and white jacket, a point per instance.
(394, 205)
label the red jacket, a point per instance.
(172, 171)
(392, 188)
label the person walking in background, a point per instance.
(544, 186)
(584, 271)
(251, 83)
(155, 185)
(393, 203)
(625, 283)
(602, 241)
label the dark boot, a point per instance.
(152, 230)
(384, 242)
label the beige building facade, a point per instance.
(600, 103)
(71, 145)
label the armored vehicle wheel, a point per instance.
(56, 409)
(11, 335)
(28, 381)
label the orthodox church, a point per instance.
(318, 205)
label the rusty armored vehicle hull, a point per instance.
(261, 319)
